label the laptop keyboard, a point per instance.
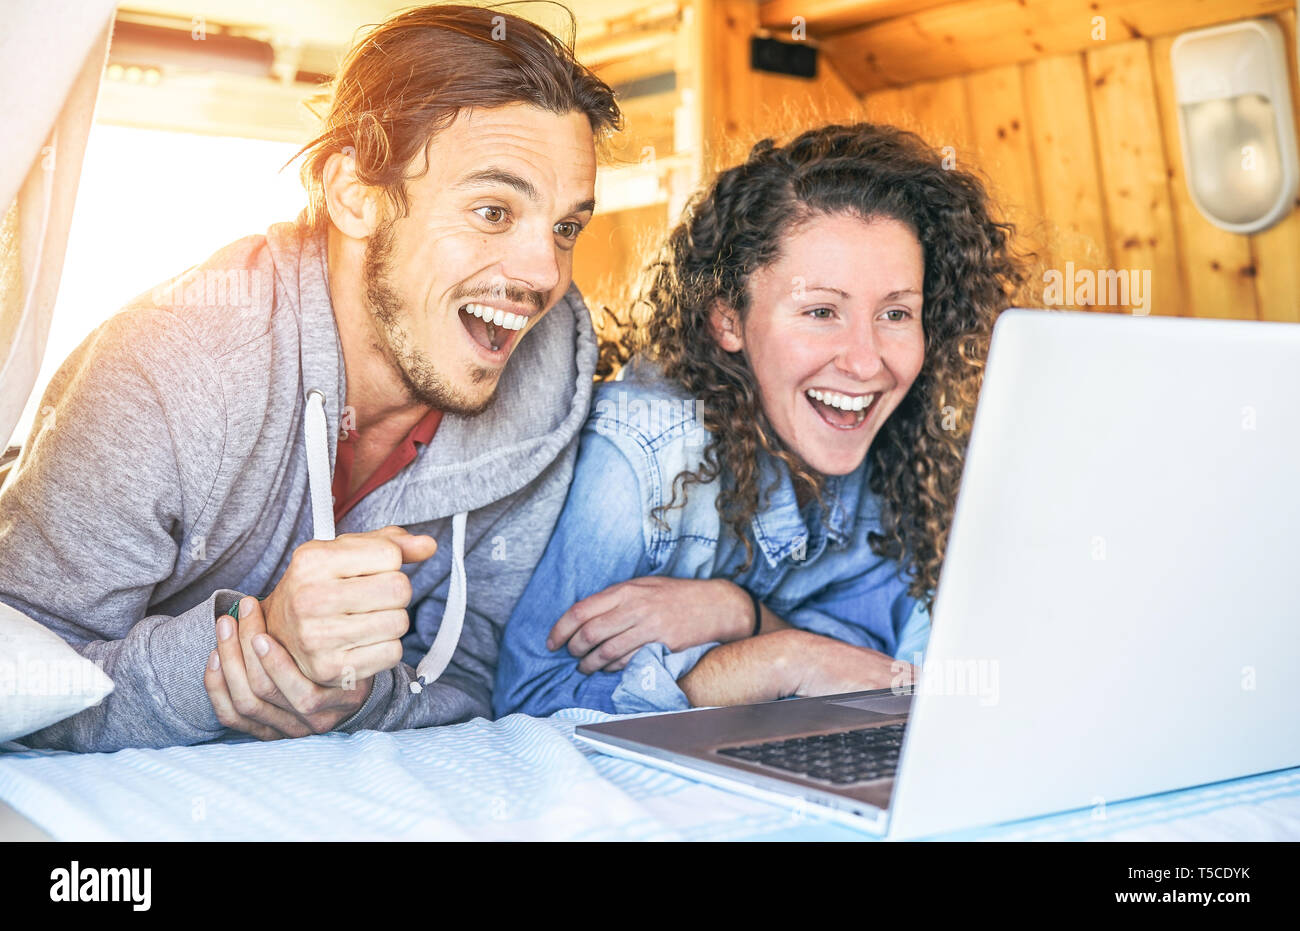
(841, 759)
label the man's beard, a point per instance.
(423, 383)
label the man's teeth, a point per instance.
(496, 316)
(842, 401)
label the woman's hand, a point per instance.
(826, 666)
(605, 629)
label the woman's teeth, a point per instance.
(496, 317)
(856, 405)
(842, 401)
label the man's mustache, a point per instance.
(515, 295)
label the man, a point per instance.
(196, 437)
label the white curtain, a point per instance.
(52, 55)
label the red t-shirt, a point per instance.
(397, 460)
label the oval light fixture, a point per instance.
(1236, 125)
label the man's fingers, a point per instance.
(246, 703)
(416, 547)
(353, 631)
(215, 685)
(251, 623)
(303, 694)
(359, 594)
(587, 609)
(365, 661)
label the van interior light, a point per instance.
(1236, 125)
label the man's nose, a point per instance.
(860, 356)
(533, 261)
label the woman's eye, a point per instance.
(491, 214)
(821, 313)
(901, 315)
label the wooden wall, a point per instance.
(1081, 147)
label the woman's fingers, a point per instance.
(615, 648)
(621, 664)
(596, 633)
(581, 613)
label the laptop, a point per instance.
(1118, 614)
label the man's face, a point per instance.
(485, 251)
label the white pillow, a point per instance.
(42, 679)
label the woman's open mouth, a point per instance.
(841, 411)
(492, 329)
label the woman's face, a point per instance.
(833, 335)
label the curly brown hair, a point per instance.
(736, 226)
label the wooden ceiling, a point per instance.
(869, 45)
(875, 44)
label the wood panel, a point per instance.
(971, 35)
(1004, 151)
(826, 17)
(1276, 251)
(612, 249)
(1060, 126)
(647, 125)
(1081, 148)
(742, 105)
(1219, 270)
(888, 106)
(939, 112)
(1135, 177)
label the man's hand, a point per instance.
(605, 629)
(256, 687)
(831, 667)
(342, 603)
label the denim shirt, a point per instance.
(813, 569)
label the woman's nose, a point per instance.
(860, 357)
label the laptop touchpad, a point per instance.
(885, 704)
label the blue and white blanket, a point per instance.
(517, 778)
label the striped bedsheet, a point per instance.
(516, 778)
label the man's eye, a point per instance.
(491, 214)
(568, 229)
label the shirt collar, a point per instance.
(781, 529)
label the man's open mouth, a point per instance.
(842, 411)
(491, 327)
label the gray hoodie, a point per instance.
(169, 474)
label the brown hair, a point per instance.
(411, 75)
(737, 226)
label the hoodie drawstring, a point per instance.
(453, 615)
(318, 467)
(320, 487)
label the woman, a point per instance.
(761, 503)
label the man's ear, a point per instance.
(724, 324)
(352, 205)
